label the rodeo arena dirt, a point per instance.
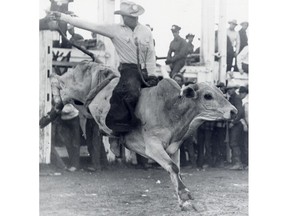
(125, 131)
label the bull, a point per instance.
(168, 114)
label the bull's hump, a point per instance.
(153, 100)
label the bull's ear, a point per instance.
(189, 92)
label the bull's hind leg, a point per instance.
(155, 150)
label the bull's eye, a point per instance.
(208, 96)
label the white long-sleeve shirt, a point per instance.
(124, 39)
(243, 57)
(245, 105)
(234, 38)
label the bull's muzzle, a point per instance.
(231, 113)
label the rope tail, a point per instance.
(78, 47)
(138, 64)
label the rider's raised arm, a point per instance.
(105, 30)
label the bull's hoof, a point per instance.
(185, 195)
(189, 206)
(115, 146)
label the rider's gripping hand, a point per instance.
(152, 80)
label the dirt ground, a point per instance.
(121, 190)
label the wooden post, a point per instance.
(105, 14)
(222, 40)
(45, 97)
(208, 36)
(222, 49)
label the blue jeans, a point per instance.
(121, 117)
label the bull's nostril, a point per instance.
(233, 113)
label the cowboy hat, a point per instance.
(233, 22)
(175, 28)
(190, 35)
(128, 8)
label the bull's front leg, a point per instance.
(155, 150)
(183, 192)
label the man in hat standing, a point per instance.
(190, 49)
(243, 93)
(243, 35)
(134, 45)
(235, 126)
(177, 51)
(233, 45)
(67, 132)
(190, 46)
(243, 60)
(218, 136)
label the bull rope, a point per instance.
(92, 94)
(138, 64)
(75, 45)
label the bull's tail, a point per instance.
(79, 47)
(50, 117)
(57, 106)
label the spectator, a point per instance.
(233, 45)
(197, 51)
(190, 46)
(96, 149)
(75, 38)
(243, 60)
(204, 143)
(219, 145)
(218, 137)
(190, 146)
(243, 93)
(222, 87)
(179, 79)
(243, 35)
(99, 44)
(61, 6)
(133, 41)
(68, 133)
(151, 28)
(177, 51)
(190, 50)
(235, 126)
